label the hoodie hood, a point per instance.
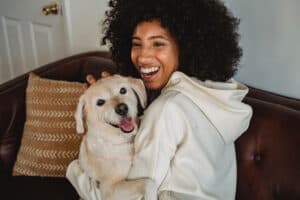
(221, 102)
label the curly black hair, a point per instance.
(205, 32)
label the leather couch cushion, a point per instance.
(37, 188)
(49, 141)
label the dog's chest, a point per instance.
(110, 160)
(106, 150)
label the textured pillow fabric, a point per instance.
(49, 141)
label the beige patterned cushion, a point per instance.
(49, 141)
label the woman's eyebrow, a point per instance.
(150, 38)
(157, 37)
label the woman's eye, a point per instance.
(134, 44)
(158, 44)
(123, 91)
(100, 102)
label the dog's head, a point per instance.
(111, 103)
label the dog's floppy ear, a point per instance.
(139, 88)
(79, 115)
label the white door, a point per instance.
(28, 37)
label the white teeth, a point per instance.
(148, 70)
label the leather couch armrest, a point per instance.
(12, 117)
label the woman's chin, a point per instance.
(154, 85)
(152, 82)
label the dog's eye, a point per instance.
(123, 90)
(100, 102)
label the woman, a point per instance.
(186, 52)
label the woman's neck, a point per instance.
(152, 95)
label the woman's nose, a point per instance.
(145, 55)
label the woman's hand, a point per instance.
(86, 187)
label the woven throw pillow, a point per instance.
(49, 141)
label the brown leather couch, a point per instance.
(268, 154)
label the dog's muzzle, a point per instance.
(121, 109)
(126, 124)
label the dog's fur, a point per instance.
(109, 109)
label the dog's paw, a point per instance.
(150, 190)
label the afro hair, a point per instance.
(205, 32)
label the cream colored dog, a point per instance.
(109, 108)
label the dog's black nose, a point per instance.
(121, 109)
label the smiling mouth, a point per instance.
(148, 72)
(126, 125)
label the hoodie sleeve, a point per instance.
(155, 144)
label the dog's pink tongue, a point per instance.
(127, 124)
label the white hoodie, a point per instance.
(185, 142)
(186, 139)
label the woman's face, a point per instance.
(154, 53)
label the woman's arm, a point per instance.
(86, 188)
(162, 128)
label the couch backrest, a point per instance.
(268, 153)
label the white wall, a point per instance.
(270, 37)
(84, 24)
